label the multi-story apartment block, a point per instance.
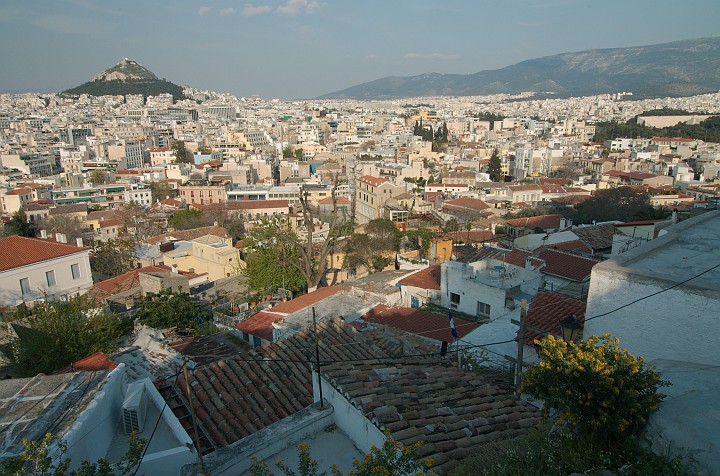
(371, 194)
(33, 165)
(203, 194)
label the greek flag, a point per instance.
(452, 324)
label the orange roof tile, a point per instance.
(428, 278)
(301, 302)
(565, 265)
(374, 181)
(20, 251)
(423, 323)
(546, 311)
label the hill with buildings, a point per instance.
(681, 68)
(127, 77)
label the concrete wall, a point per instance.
(349, 418)
(677, 324)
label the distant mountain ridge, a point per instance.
(127, 77)
(680, 68)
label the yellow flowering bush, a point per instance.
(594, 384)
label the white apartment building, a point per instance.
(39, 269)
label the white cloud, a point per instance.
(371, 56)
(432, 56)
(224, 12)
(203, 10)
(296, 7)
(252, 10)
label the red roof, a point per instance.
(546, 222)
(338, 201)
(374, 181)
(428, 278)
(125, 281)
(565, 265)
(259, 325)
(423, 323)
(301, 302)
(19, 251)
(577, 246)
(672, 139)
(92, 363)
(546, 311)
(518, 257)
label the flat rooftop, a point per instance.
(689, 248)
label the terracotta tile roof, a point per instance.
(454, 412)
(576, 246)
(518, 257)
(565, 265)
(187, 235)
(338, 200)
(598, 237)
(259, 325)
(422, 323)
(69, 208)
(546, 222)
(673, 139)
(20, 251)
(546, 311)
(92, 363)
(124, 282)
(374, 181)
(205, 349)
(428, 278)
(474, 204)
(301, 302)
(239, 395)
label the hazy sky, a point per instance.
(305, 48)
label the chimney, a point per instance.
(60, 238)
(43, 233)
(175, 269)
(528, 262)
(78, 242)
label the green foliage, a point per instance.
(665, 111)
(621, 203)
(35, 459)
(595, 385)
(374, 248)
(567, 453)
(169, 309)
(19, 225)
(187, 219)
(54, 334)
(287, 153)
(392, 459)
(113, 257)
(150, 87)
(160, 191)
(271, 261)
(495, 167)
(490, 116)
(181, 153)
(708, 130)
(299, 154)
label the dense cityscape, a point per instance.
(195, 282)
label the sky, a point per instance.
(300, 49)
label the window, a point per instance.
(454, 300)
(483, 309)
(25, 286)
(75, 269)
(50, 277)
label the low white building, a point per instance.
(34, 269)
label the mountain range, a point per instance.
(680, 68)
(127, 77)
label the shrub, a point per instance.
(595, 385)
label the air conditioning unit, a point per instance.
(134, 408)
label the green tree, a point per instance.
(189, 218)
(374, 249)
(495, 167)
(621, 203)
(160, 191)
(595, 385)
(98, 177)
(35, 459)
(299, 154)
(112, 258)
(173, 309)
(181, 153)
(19, 225)
(71, 226)
(54, 334)
(271, 262)
(287, 153)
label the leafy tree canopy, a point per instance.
(495, 167)
(169, 309)
(54, 334)
(19, 225)
(621, 203)
(112, 257)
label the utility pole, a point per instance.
(194, 418)
(521, 347)
(317, 358)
